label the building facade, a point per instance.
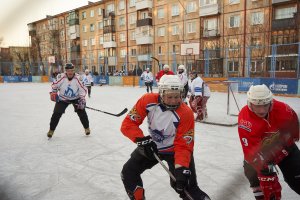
(218, 38)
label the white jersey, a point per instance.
(87, 80)
(199, 88)
(183, 78)
(147, 76)
(69, 89)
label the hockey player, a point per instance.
(200, 94)
(147, 76)
(181, 73)
(171, 129)
(165, 71)
(88, 81)
(268, 130)
(68, 89)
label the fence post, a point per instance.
(273, 61)
(206, 63)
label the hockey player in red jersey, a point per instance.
(166, 71)
(268, 130)
(171, 129)
(68, 89)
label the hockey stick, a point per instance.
(116, 115)
(108, 113)
(171, 175)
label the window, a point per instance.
(133, 52)
(233, 66)
(123, 53)
(132, 3)
(99, 11)
(256, 66)
(84, 43)
(210, 24)
(257, 18)
(191, 7)
(92, 41)
(234, 1)
(100, 25)
(132, 19)
(83, 14)
(84, 29)
(207, 2)
(121, 5)
(144, 15)
(191, 27)
(160, 13)
(121, 21)
(161, 31)
(101, 39)
(122, 37)
(92, 13)
(160, 50)
(284, 13)
(234, 21)
(132, 35)
(175, 48)
(175, 10)
(92, 27)
(175, 30)
(110, 8)
(255, 41)
(233, 43)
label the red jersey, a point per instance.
(254, 130)
(161, 73)
(172, 131)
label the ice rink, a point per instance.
(72, 166)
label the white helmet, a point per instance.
(181, 67)
(170, 83)
(166, 67)
(87, 71)
(259, 95)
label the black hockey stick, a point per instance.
(171, 175)
(116, 115)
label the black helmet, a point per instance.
(69, 66)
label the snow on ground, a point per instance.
(72, 166)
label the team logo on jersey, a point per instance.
(70, 93)
(189, 136)
(133, 114)
(246, 125)
(158, 135)
(270, 139)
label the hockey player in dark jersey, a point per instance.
(68, 89)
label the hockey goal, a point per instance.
(224, 103)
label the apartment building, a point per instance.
(218, 38)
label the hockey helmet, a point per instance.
(69, 66)
(259, 95)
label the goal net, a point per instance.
(224, 103)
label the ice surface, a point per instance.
(72, 166)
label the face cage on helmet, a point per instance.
(170, 107)
(249, 103)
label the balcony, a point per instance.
(109, 29)
(279, 1)
(32, 33)
(143, 4)
(74, 32)
(211, 33)
(144, 57)
(144, 40)
(207, 10)
(281, 24)
(109, 44)
(144, 22)
(73, 22)
(110, 60)
(109, 14)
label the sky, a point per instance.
(72, 166)
(16, 14)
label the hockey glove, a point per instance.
(147, 147)
(54, 97)
(182, 175)
(270, 186)
(92, 83)
(81, 104)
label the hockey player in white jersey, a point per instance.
(181, 73)
(200, 93)
(68, 89)
(147, 76)
(88, 81)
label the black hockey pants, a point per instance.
(137, 164)
(60, 108)
(290, 168)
